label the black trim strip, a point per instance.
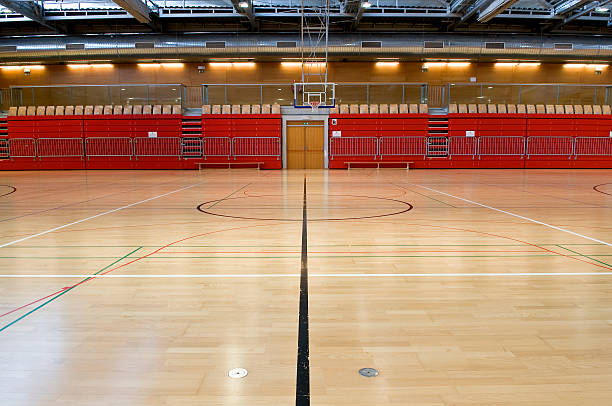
(595, 188)
(302, 387)
(12, 191)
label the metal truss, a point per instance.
(349, 13)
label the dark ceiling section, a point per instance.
(421, 16)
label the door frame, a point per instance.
(306, 117)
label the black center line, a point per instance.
(302, 387)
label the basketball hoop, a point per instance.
(314, 104)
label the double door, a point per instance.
(305, 143)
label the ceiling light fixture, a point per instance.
(387, 63)
(17, 67)
(89, 65)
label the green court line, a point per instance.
(65, 291)
(586, 256)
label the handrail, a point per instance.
(216, 146)
(114, 150)
(153, 147)
(402, 146)
(352, 144)
(272, 148)
(58, 151)
(13, 146)
(550, 145)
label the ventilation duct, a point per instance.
(362, 46)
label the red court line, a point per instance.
(34, 302)
(339, 252)
(131, 262)
(504, 237)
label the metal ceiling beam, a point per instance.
(246, 11)
(31, 10)
(358, 15)
(473, 9)
(139, 10)
(568, 6)
(459, 5)
(587, 9)
(495, 8)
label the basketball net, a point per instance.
(314, 104)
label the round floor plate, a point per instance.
(238, 373)
(368, 372)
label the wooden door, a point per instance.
(295, 145)
(305, 143)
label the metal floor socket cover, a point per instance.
(238, 373)
(368, 372)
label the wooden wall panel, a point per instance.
(274, 72)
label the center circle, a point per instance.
(381, 206)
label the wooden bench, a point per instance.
(378, 163)
(229, 164)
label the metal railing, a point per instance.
(145, 147)
(379, 147)
(59, 147)
(256, 146)
(462, 146)
(109, 147)
(500, 146)
(435, 95)
(217, 146)
(594, 146)
(345, 92)
(22, 148)
(550, 145)
(153, 146)
(373, 147)
(72, 95)
(394, 146)
(527, 93)
(354, 146)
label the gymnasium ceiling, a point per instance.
(23, 17)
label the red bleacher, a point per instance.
(499, 140)
(152, 141)
(174, 141)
